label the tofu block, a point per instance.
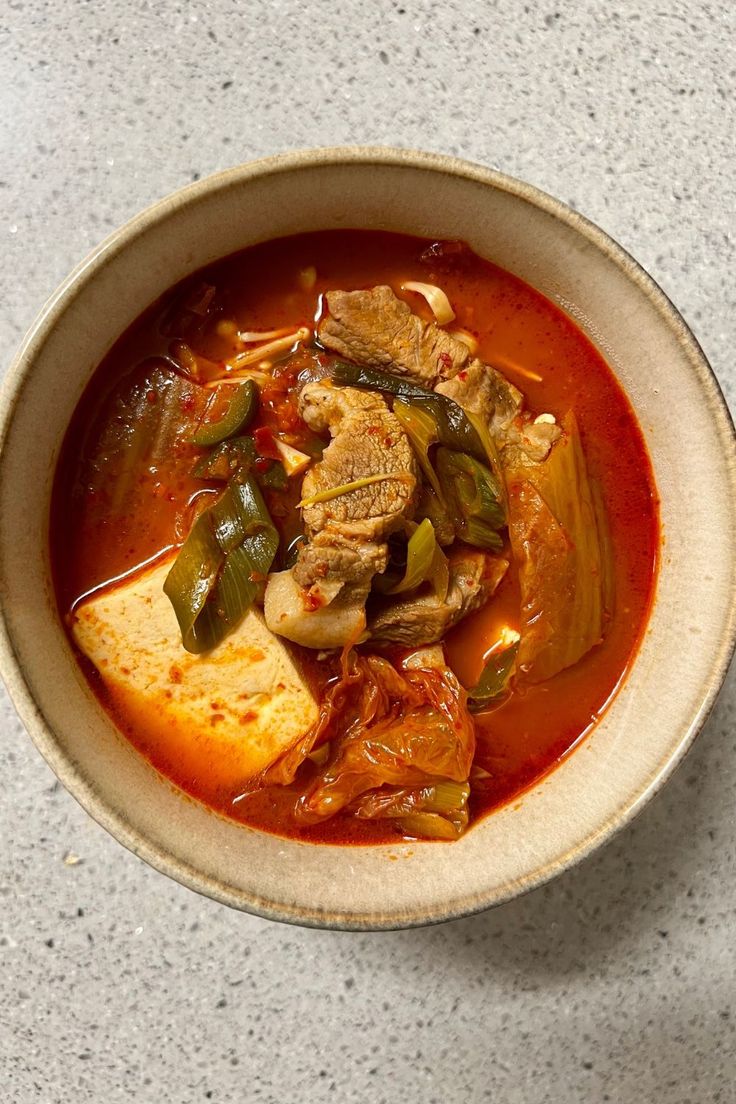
(232, 711)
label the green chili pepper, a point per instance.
(238, 416)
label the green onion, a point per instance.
(480, 535)
(494, 679)
(239, 414)
(345, 488)
(492, 456)
(421, 429)
(420, 558)
(236, 458)
(216, 574)
(453, 426)
(473, 498)
(440, 573)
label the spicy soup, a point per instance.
(133, 485)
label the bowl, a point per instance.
(688, 641)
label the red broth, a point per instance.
(540, 350)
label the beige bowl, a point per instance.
(690, 636)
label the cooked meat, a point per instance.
(474, 576)
(377, 329)
(482, 390)
(368, 441)
(330, 556)
(535, 439)
(329, 626)
(324, 407)
(347, 534)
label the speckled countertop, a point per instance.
(618, 981)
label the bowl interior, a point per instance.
(688, 640)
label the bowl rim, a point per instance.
(42, 732)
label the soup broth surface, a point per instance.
(263, 288)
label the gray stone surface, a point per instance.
(617, 982)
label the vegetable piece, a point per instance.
(435, 296)
(424, 560)
(437, 811)
(255, 337)
(608, 580)
(429, 826)
(429, 506)
(496, 673)
(226, 459)
(563, 564)
(492, 456)
(408, 729)
(215, 577)
(270, 474)
(194, 365)
(238, 457)
(480, 535)
(294, 461)
(421, 429)
(239, 414)
(454, 429)
(259, 375)
(473, 498)
(355, 485)
(142, 425)
(276, 347)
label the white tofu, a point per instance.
(236, 708)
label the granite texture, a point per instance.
(616, 982)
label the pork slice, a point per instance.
(377, 329)
(367, 442)
(424, 618)
(483, 390)
(320, 602)
(331, 557)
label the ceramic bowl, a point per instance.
(688, 642)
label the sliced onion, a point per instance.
(545, 419)
(435, 296)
